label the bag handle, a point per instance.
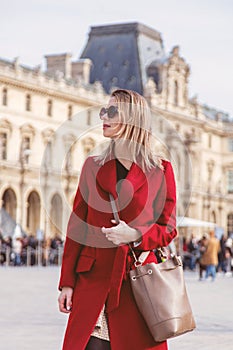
(143, 256)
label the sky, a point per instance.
(31, 29)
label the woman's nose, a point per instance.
(104, 116)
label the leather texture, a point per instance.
(161, 297)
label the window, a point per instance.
(69, 143)
(230, 145)
(25, 150)
(28, 103)
(107, 65)
(3, 146)
(175, 93)
(4, 97)
(48, 138)
(125, 64)
(50, 108)
(210, 140)
(70, 112)
(230, 181)
(230, 224)
(69, 159)
(48, 155)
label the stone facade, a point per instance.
(45, 134)
(199, 142)
(49, 124)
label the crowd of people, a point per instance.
(210, 254)
(29, 251)
(207, 255)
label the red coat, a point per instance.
(96, 268)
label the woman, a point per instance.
(94, 283)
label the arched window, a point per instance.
(33, 212)
(50, 108)
(10, 202)
(28, 102)
(4, 97)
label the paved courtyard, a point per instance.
(30, 320)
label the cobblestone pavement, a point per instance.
(30, 320)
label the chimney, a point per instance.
(81, 70)
(59, 64)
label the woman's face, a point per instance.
(110, 118)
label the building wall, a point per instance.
(40, 171)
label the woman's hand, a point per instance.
(121, 233)
(65, 299)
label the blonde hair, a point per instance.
(135, 131)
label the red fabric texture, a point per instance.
(96, 268)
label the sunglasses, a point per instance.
(111, 111)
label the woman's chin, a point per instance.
(107, 133)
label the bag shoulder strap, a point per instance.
(114, 208)
(143, 256)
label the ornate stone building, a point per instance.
(49, 123)
(44, 119)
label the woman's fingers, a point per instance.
(116, 234)
(65, 300)
(109, 230)
(62, 303)
(68, 303)
(114, 238)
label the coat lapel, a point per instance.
(130, 185)
(106, 179)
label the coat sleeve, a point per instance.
(76, 231)
(163, 230)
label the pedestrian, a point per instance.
(222, 255)
(94, 283)
(202, 249)
(210, 256)
(193, 249)
(229, 256)
(17, 250)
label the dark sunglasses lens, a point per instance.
(103, 111)
(112, 111)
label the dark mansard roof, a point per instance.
(121, 54)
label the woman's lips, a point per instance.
(106, 126)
